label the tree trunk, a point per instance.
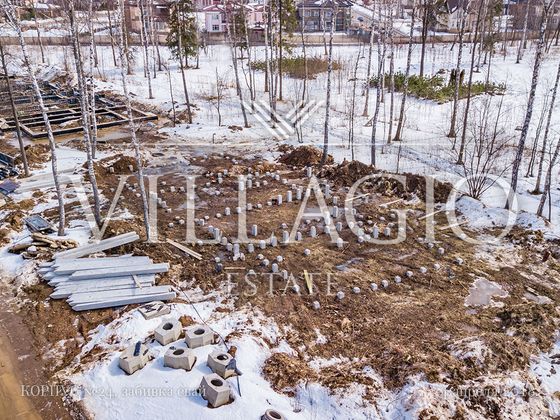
(132, 125)
(548, 181)
(13, 20)
(171, 94)
(452, 133)
(424, 37)
(531, 100)
(353, 105)
(233, 48)
(398, 134)
(380, 76)
(304, 52)
(39, 35)
(14, 112)
(280, 55)
(522, 42)
(111, 36)
(91, 83)
(86, 117)
(368, 73)
(144, 40)
(328, 100)
(469, 90)
(391, 75)
(186, 91)
(547, 129)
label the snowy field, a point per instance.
(425, 149)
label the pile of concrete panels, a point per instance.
(95, 283)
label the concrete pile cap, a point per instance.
(215, 390)
(130, 361)
(168, 331)
(198, 336)
(179, 358)
(271, 414)
(219, 361)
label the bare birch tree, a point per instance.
(10, 15)
(548, 6)
(379, 89)
(368, 72)
(329, 83)
(547, 130)
(453, 123)
(84, 108)
(131, 124)
(398, 134)
(548, 182)
(14, 111)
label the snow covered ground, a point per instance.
(425, 149)
(108, 393)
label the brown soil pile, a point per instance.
(284, 372)
(304, 156)
(121, 165)
(347, 172)
(37, 154)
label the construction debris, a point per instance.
(154, 309)
(103, 245)
(37, 223)
(42, 246)
(185, 249)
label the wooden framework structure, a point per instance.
(64, 113)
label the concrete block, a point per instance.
(179, 358)
(198, 336)
(215, 390)
(154, 309)
(134, 358)
(168, 331)
(218, 361)
(272, 415)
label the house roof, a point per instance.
(453, 5)
(325, 3)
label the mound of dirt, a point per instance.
(122, 165)
(304, 156)
(284, 372)
(347, 172)
(36, 154)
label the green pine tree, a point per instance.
(182, 23)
